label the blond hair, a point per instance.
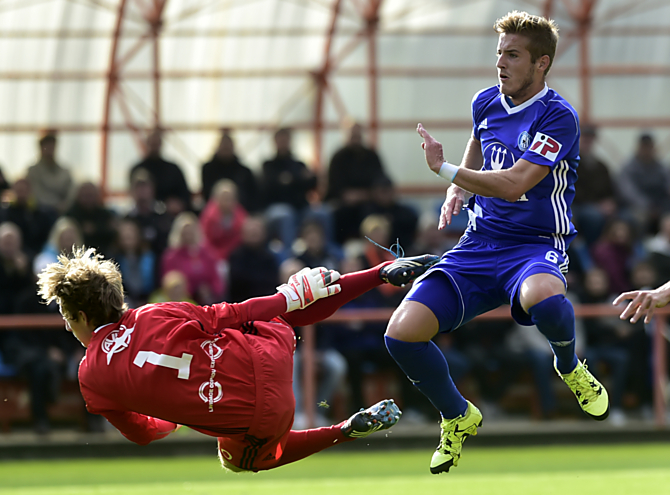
(374, 222)
(183, 219)
(61, 225)
(84, 282)
(542, 33)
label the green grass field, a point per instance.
(601, 470)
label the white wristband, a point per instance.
(448, 171)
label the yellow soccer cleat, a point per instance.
(590, 393)
(454, 433)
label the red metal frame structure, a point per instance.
(368, 13)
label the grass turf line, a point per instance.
(611, 469)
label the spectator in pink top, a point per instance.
(188, 254)
(222, 219)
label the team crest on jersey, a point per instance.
(499, 156)
(116, 341)
(546, 146)
(524, 141)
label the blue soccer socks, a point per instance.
(555, 318)
(425, 366)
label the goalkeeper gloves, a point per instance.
(308, 285)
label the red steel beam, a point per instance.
(112, 76)
(423, 72)
(156, 22)
(372, 20)
(321, 80)
(547, 9)
(455, 31)
(585, 20)
(458, 124)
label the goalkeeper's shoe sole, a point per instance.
(382, 416)
(405, 270)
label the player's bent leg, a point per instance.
(301, 444)
(408, 340)
(399, 272)
(542, 296)
(426, 309)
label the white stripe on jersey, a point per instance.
(560, 174)
(564, 205)
(559, 242)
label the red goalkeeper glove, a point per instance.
(309, 285)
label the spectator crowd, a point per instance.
(249, 231)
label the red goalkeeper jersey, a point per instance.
(185, 364)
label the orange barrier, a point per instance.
(659, 358)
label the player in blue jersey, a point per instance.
(520, 164)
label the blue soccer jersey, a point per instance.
(543, 130)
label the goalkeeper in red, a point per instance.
(224, 370)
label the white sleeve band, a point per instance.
(448, 171)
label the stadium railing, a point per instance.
(659, 358)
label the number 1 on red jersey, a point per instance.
(182, 364)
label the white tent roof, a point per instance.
(250, 65)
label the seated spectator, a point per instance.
(254, 270)
(607, 340)
(15, 270)
(361, 344)
(64, 235)
(286, 184)
(222, 219)
(154, 223)
(226, 165)
(38, 356)
(51, 183)
(378, 229)
(615, 252)
(97, 223)
(136, 262)
(4, 183)
(595, 195)
(174, 287)
(331, 367)
(658, 248)
(34, 220)
(404, 219)
(430, 240)
(484, 344)
(353, 171)
(167, 177)
(314, 249)
(644, 184)
(188, 254)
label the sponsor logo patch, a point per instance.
(546, 146)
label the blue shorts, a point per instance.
(480, 274)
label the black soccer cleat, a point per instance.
(382, 416)
(405, 270)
